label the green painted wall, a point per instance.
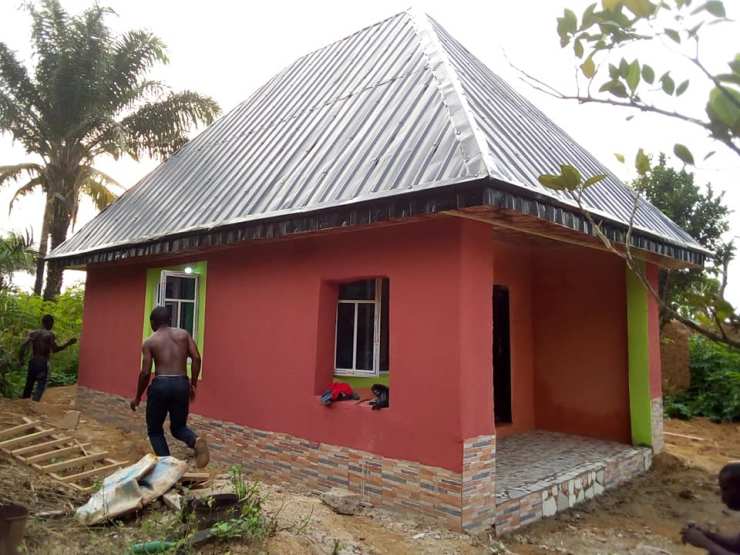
(364, 383)
(639, 360)
(152, 280)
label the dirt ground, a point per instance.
(643, 517)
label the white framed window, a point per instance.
(178, 291)
(361, 337)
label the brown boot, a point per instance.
(201, 452)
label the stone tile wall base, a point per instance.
(656, 423)
(390, 483)
(566, 490)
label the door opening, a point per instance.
(501, 355)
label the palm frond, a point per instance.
(14, 172)
(98, 192)
(159, 128)
(104, 178)
(26, 189)
(16, 254)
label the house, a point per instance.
(372, 214)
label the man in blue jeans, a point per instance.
(171, 391)
(43, 343)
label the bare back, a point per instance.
(169, 348)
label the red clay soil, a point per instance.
(643, 517)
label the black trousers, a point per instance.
(38, 375)
(168, 395)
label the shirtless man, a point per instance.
(43, 343)
(170, 391)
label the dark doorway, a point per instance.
(501, 355)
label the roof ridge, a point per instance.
(472, 142)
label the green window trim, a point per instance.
(153, 276)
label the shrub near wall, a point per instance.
(20, 313)
(715, 383)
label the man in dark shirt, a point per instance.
(43, 343)
(170, 392)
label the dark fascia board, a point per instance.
(483, 192)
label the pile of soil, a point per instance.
(642, 517)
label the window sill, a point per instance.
(363, 403)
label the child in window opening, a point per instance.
(713, 543)
(170, 392)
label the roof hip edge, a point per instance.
(473, 145)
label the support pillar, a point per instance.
(643, 340)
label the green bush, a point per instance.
(21, 313)
(715, 383)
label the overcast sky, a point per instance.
(226, 49)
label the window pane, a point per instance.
(365, 335)
(358, 290)
(384, 334)
(180, 288)
(345, 334)
(172, 308)
(187, 314)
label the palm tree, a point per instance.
(16, 254)
(88, 96)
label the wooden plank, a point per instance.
(195, 477)
(72, 463)
(10, 432)
(108, 469)
(20, 452)
(48, 455)
(683, 436)
(25, 439)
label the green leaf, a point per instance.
(578, 48)
(633, 75)
(588, 17)
(571, 176)
(684, 154)
(641, 8)
(613, 72)
(648, 74)
(589, 68)
(723, 110)
(735, 64)
(667, 83)
(728, 78)
(709, 155)
(611, 5)
(714, 7)
(619, 157)
(642, 162)
(673, 34)
(551, 181)
(682, 88)
(623, 67)
(593, 180)
(616, 88)
(567, 26)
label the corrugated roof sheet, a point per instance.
(395, 108)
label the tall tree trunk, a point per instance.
(58, 230)
(43, 246)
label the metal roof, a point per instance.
(399, 107)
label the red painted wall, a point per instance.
(269, 336)
(656, 386)
(581, 371)
(512, 267)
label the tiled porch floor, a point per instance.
(532, 461)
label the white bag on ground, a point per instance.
(131, 488)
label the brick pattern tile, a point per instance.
(656, 422)
(281, 458)
(479, 483)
